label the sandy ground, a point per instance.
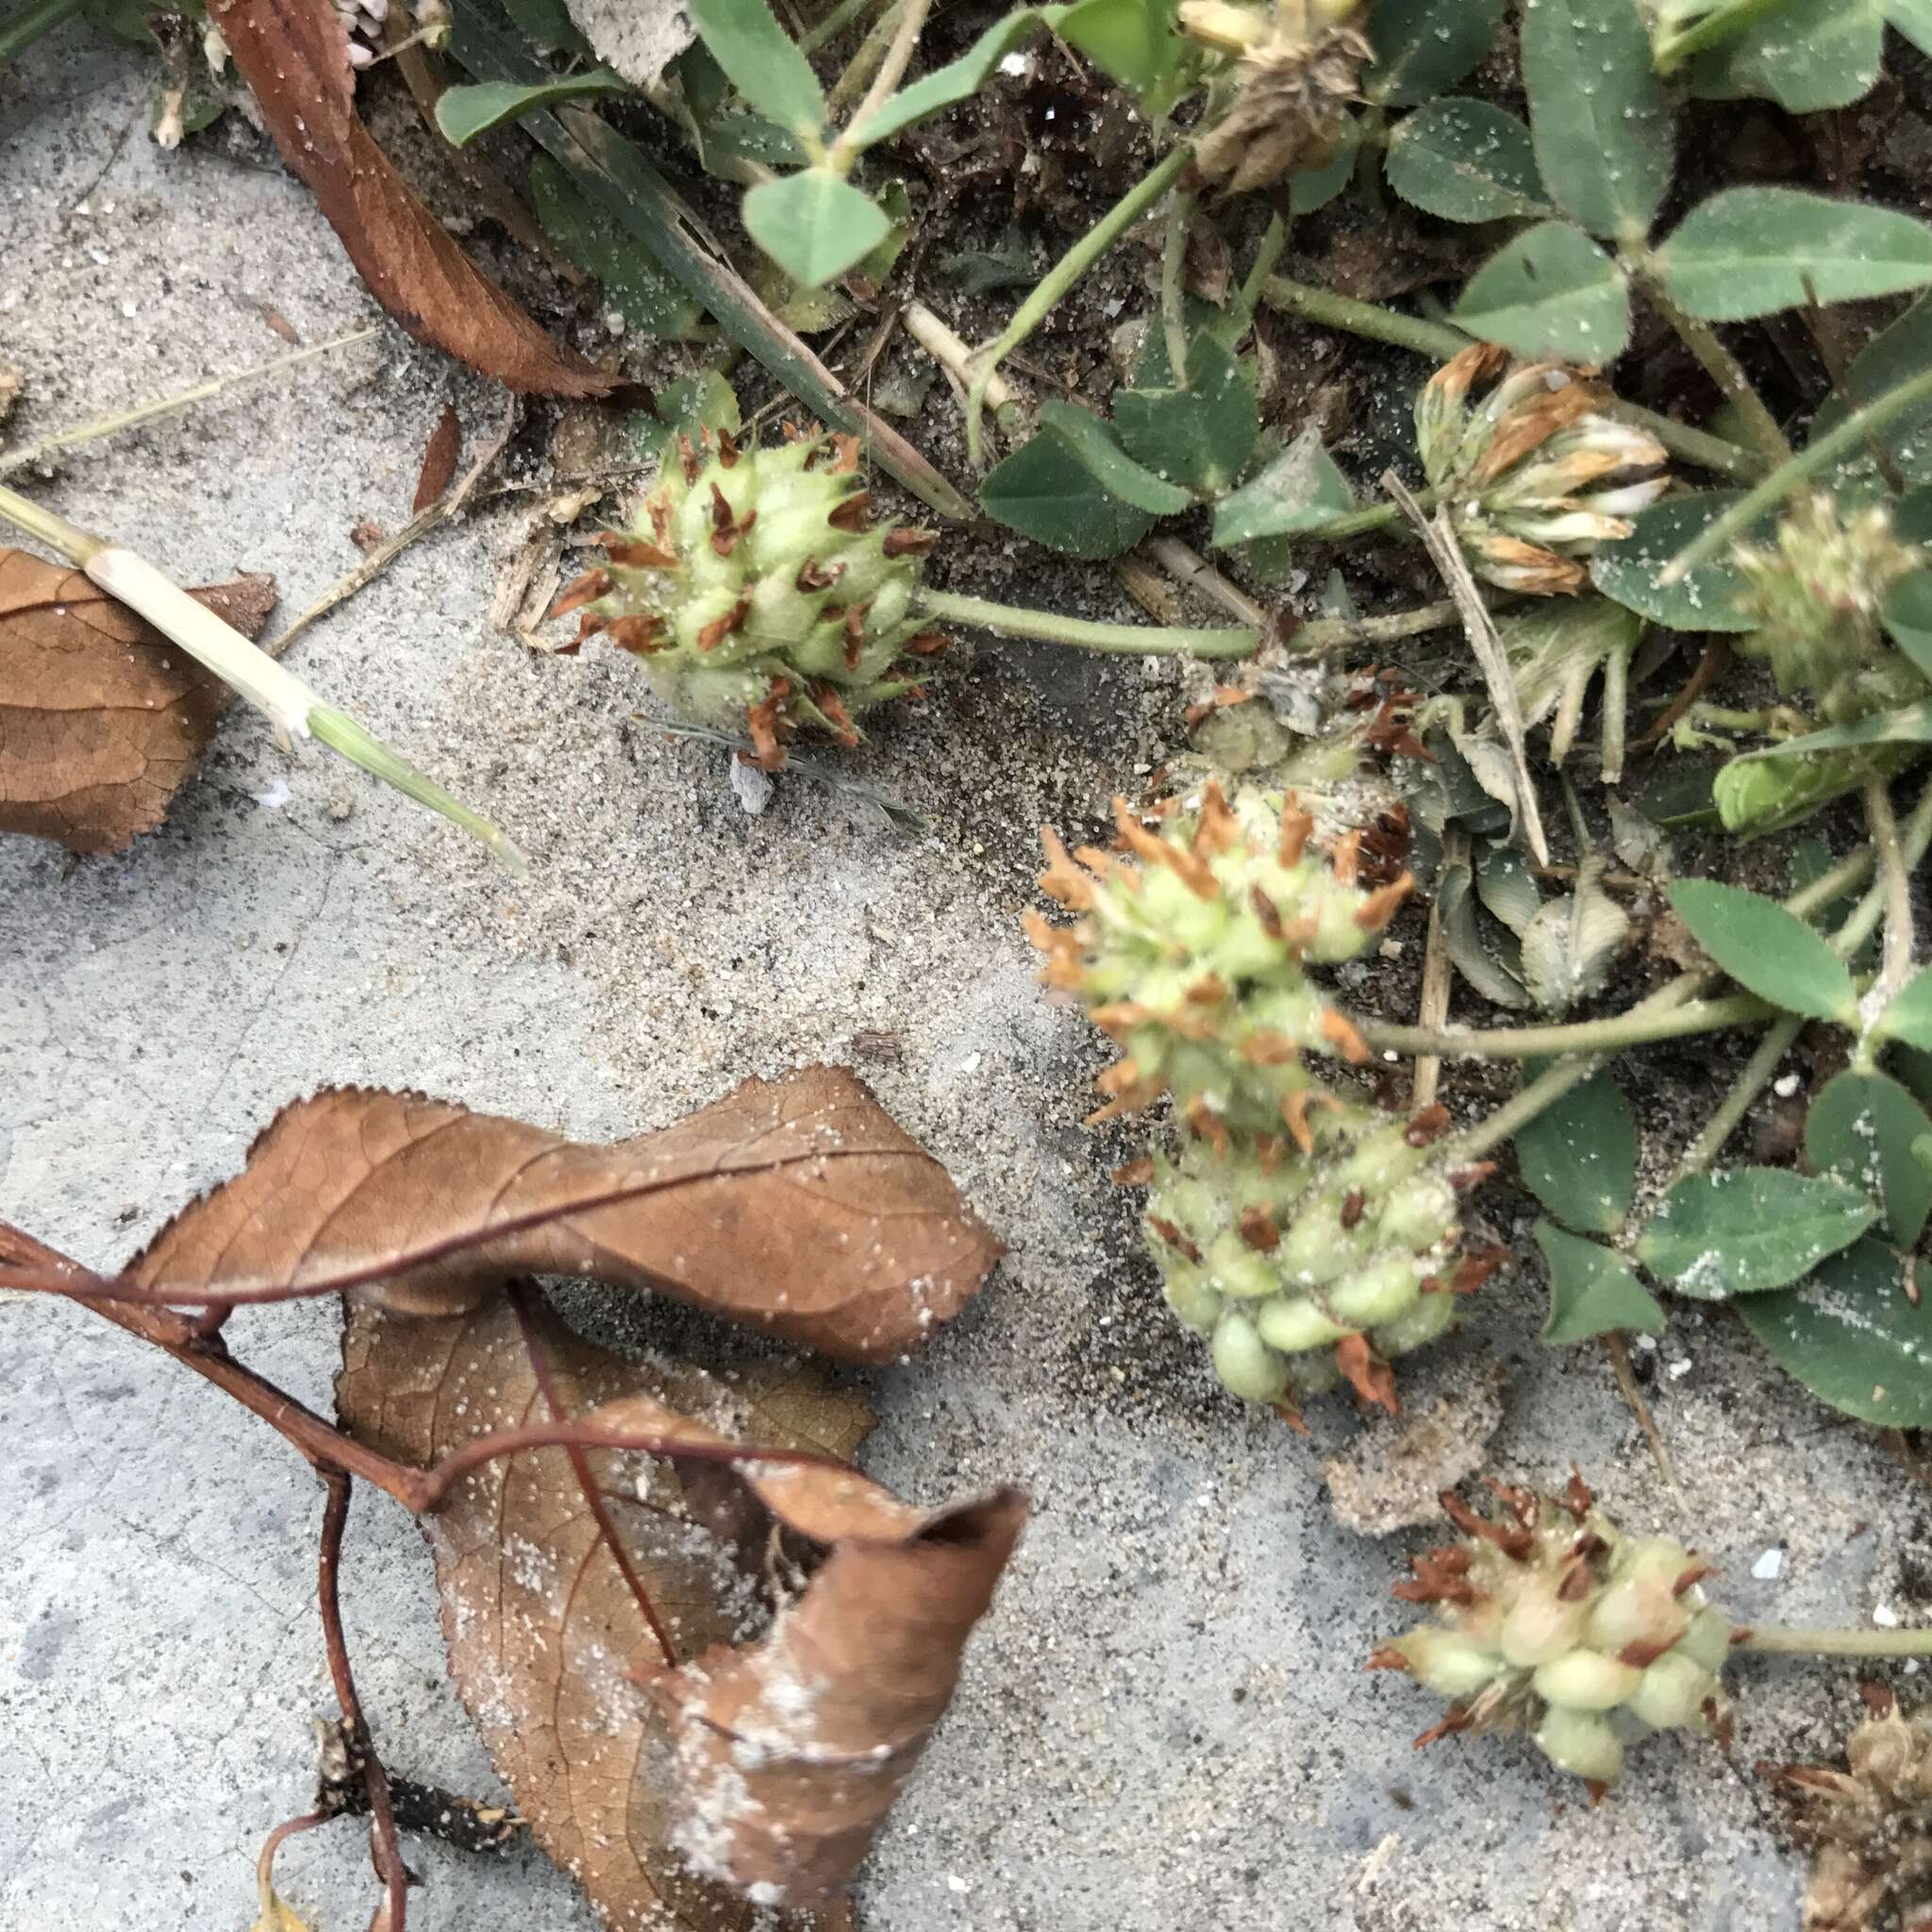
(1163, 1724)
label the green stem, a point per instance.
(1778, 1641)
(864, 63)
(1677, 44)
(1712, 357)
(898, 57)
(1174, 295)
(1316, 638)
(834, 24)
(1440, 341)
(1633, 1029)
(19, 31)
(1063, 274)
(1358, 522)
(1514, 1115)
(1273, 246)
(1790, 477)
(1737, 1102)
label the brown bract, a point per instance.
(294, 55)
(439, 460)
(101, 717)
(569, 1591)
(796, 1205)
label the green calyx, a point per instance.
(1550, 1619)
(757, 592)
(1308, 1265)
(1195, 958)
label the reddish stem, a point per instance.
(386, 1846)
(523, 1303)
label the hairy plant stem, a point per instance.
(291, 706)
(1791, 476)
(1774, 1641)
(1174, 295)
(864, 63)
(1442, 340)
(1727, 20)
(1749, 1084)
(33, 452)
(1638, 1028)
(892, 66)
(1716, 360)
(1068, 269)
(1895, 880)
(1318, 638)
(834, 24)
(1267, 258)
(19, 31)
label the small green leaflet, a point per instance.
(1134, 43)
(1753, 251)
(1745, 1229)
(1552, 291)
(1854, 1337)
(814, 225)
(762, 61)
(1862, 1129)
(947, 85)
(1592, 1292)
(1597, 113)
(1628, 572)
(1200, 437)
(1426, 46)
(1895, 356)
(1908, 618)
(1466, 161)
(1809, 56)
(1578, 1157)
(464, 112)
(1298, 489)
(1073, 488)
(704, 401)
(1767, 950)
(1913, 19)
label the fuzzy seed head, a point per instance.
(1307, 1267)
(757, 592)
(1868, 1828)
(1536, 475)
(1300, 66)
(1816, 591)
(1555, 1623)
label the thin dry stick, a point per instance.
(1432, 1008)
(1895, 963)
(1193, 569)
(386, 1846)
(1626, 1381)
(1446, 553)
(440, 511)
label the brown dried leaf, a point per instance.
(791, 1750)
(549, 1645)
(794, 1206)
(294, 55)
(101, 718)
(438, 460)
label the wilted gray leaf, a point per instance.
(1506, 886)
(1488, 958)
(1569, 946)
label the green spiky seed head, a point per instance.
(1534, 473)
(1550, 1619)
(1306, 1264)
(1816, 592)
(757, 592)
(1192, 953)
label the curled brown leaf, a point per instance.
(571, 1585)
(791, 1750)
(797, 1206)
(294, 55)
(101, 717)
(438, 460)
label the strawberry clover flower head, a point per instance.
(1536, 475)
(1550, 1619)
(1191, 949)
(757, 592)
(1306, 1267)
(1299, 66)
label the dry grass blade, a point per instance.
(294, 55)
(797, 1207)
(102, 718)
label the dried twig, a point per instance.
(1619, 1353)
(1432, 1008)
(1439, 535)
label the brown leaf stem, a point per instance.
(386, 1846)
